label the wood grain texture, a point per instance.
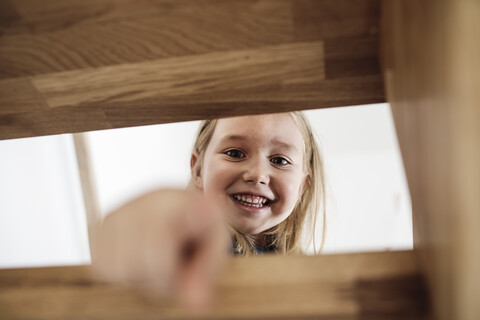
(108, 64)
(150, 31)
(352, 286)
(19, 95)
(67, 35)
(181, 77)
(432, 72)
(353, 58)
(341, 19)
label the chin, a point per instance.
(249, 230)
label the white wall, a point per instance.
(42, 217)
(368, 204)
(130, 161)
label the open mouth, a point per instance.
(251, 201)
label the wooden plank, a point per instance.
(382, 285)
(313, 19)
(183, 76)
(38, 123)
(253, 100)
(466, 81)
(183, 29)
(432, 73)
(353, 58)
(108, 64)
(19, 95)
(267, 79)
(340, 19)
(9, 16)
(133, 33)
(46, 16)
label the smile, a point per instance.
(251, 201)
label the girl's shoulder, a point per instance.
(267, 249)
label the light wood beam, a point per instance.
(383, 285)
(432, 77)
(75, 66)
(89, 187)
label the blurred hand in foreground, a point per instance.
(169, 241)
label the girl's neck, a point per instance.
(259, 239)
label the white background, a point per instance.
(42, 216)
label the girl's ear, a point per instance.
(196, 170)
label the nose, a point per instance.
(257, 171)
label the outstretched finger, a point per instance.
(203, 254)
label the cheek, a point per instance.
(290, 190)
(217, 177)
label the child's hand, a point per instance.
(170, 241)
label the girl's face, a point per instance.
(253, 170)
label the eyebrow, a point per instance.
(274, 141)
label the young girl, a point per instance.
(265, 173)
(259, 177)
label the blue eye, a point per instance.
(279, 161)
(234, 153)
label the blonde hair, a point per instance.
(300, 225)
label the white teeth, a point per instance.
(257, 202)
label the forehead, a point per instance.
(278, 129)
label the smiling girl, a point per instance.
(265, 174)
(258, 177)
